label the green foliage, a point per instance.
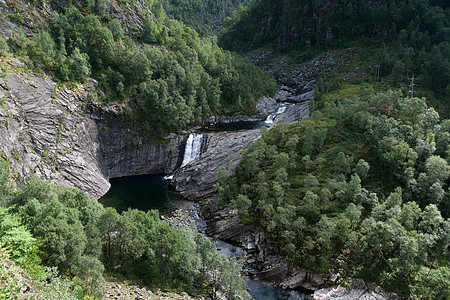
(205, 16)
(171, 77)
(3, 46)
(63, 227)
(378, 212)
(140, 245)
(19, 258)
(414, 36)
(61, 218)
(6, 188)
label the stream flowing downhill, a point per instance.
(194, 148)
(153, 192)
(271, 117)
(256, 289)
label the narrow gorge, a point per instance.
(228, 149)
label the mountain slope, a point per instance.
(207, 17)
(405, 39)
(162, 70)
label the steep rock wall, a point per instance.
(57, 135)
(223, 149)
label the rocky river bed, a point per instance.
(262, 258)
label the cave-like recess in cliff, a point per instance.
(141, 192)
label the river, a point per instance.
(154, 192)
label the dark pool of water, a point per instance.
(154, 192)
(141, 192)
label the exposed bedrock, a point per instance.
(60, 135)
(223, 149)
(57, 135)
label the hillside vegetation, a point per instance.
(43, 225)
(360, 188)
(404, 38)
(207, 17)
(169, 76)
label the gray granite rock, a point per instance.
(55, 134)
(264, 106)
(223, 149)
(358, 289)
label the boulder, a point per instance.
(273, 276)
(317, 280)
(294, 280)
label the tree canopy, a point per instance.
(368, 196)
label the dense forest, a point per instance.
(207, 17)
(407, 37)
(360, 188)
(169, 76)
(44, 225)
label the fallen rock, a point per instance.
(294, 280)
(273, 276)
(317, 280)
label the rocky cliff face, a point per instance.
(223, 149)
(58, 135)
(124, 152)
(62, 135)
(298, 80)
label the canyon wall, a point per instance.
(59, 134)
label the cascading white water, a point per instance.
(271, 118)
(193, 149)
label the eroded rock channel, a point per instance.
(60, 135)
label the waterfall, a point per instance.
(271, 118)
(193, 148)
(195, 145)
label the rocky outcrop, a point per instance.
(126, 289)
(357, 289)
(298, 80)
(264, 106)
(287, 277)
(61, 134)
(223, 149)
(293, 113)
(45, 132)
(58, 135)
(124, 152)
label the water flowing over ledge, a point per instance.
(195, 145)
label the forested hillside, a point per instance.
(360, 188)
(405, 38)
(43, 225)
(207, 17)
(169, 77)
